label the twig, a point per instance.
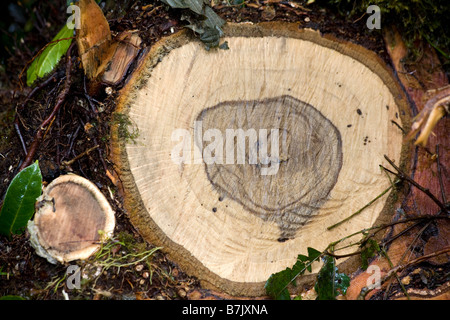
(403, 176)
(384, 252)
(377, 229)
(434, 109)
(29, 96)
(409, 249)
(60, 101)
(398, 235)
(441, 183)
(399, 268)
(360, 210)
(68, 163)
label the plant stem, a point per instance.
(360, 210)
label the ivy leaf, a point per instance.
(370, 249)
(313, 254)
(329, 281)
(49, 58)
(211, 37)
(20, 199)
(276, 285)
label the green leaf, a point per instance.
(329, 281)
(20, 199)
(194, 5)
(211, 37)
(224, 46)
(208, 26)
(370, 249)
(11, 297)
(213, 20)
(49, 58)
(313, 254)
(276, 285)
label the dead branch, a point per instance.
(401, 175)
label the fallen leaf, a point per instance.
(20, 198)
(94, 39)
(50, 56)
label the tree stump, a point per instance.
(72, 219)
(245, 156)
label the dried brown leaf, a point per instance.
(93, 39)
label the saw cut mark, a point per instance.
(283, 178)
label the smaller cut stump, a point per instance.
(72, 219)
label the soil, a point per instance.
(83, 122)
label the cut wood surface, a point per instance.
(71, 221)
(245, 156)
(428, 80)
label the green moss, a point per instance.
(127, 131)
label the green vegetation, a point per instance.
(125, 128)
(202, 20)
(46, 60)
(122, 251)
(20, 198)
(136, 253)
(426, 20)
(277, 284)
(329, 282)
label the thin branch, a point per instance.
(399, 268)
(68, 163)
(384, 252)
(418, 219)
(22, 106)
(403, 176)
(360, 210)
(441, 183)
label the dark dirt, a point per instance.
(83, 122)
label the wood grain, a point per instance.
(73, 218)
(333, 103)
(305, 166)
